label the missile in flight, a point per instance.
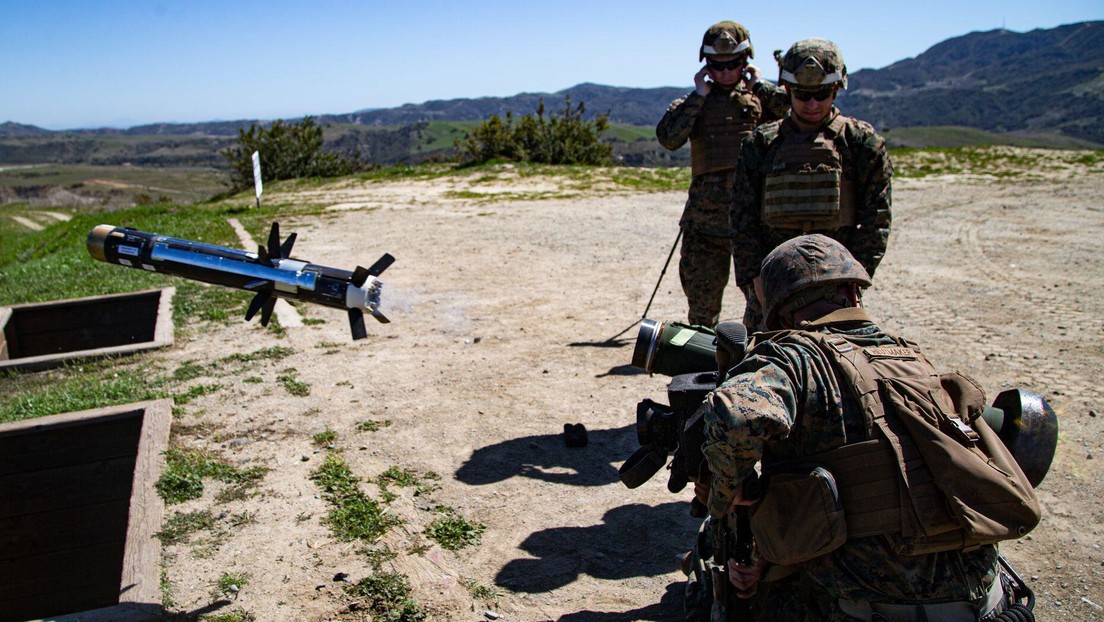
(270, 272)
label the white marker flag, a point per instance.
(257, 174)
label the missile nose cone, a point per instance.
(96, 239)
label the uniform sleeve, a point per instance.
(744, 213)
(756, 405)
(675, 127)
(875, 198)
(774, 100)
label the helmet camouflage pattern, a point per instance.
(725, 38)
(812, 63)
(804, 262)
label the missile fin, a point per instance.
(262, 257)
(285, 248)
(356, 324)
(255, 305)
(381, 264)
(274, 242)
(380, 317)
(266, 311)
(360, 275)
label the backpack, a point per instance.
(931, 476)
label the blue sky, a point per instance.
(72, 63)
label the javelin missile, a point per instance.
(270, 272)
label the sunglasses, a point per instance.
(728, 65)
(820, 94)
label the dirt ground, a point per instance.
(513, 317)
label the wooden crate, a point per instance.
(79, 514)
(42, 335)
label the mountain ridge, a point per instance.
(1037, 82)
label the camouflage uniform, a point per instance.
(785, 401)
(865, 163)
(706, 245)
(865, 172)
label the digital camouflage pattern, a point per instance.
(785, 401)
(804, 265)
(865, 163)
(706, 213)
(704, 262)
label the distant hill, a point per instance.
(628, 106)
(1044, 88)
(1035, 82)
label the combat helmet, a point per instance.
(725, 38)
(805, 264)
(811, 64)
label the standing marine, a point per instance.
(729, 99)
(815, 171)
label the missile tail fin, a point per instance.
(255, 305)
(266, 311)
(274, 242)
(381, 264)
(356, 324)
(285, 248)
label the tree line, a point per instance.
(294, 150)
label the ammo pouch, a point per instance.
(800, 517)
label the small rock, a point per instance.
(1092, 413)
(320, 586)
(341, 576)
(304, 458)
(490, 615)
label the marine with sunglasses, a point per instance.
(729, 99)
(816, 171)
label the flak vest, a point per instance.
(722, 124)
(805, 190)
(926, 477)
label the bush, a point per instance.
(288, 151)
(563, 138)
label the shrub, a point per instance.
(288, 151)
(564, 138)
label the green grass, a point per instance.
(290, 379)
(180, 526)
(324, 438)
(178, 184)
(74, 388)
(231, 583)
(389, 597)
(480, 592)
(185, 470)
(1002, 162)
(371, 425)
(353, 516)
(236, 615)
(454, 532)
(949, 137)
(408, 478)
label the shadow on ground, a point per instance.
(546, 457)
(634, 540)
